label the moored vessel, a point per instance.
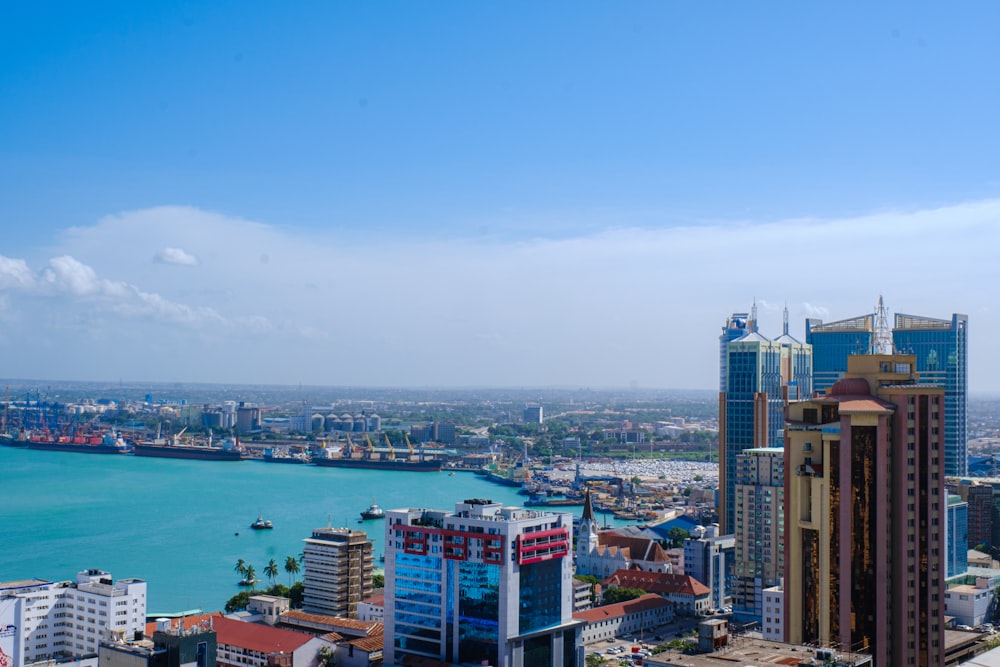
(373, 512)
(262, 524)
(428, 465)
(106, 443)
(173, 449)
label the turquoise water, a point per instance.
(173, 523)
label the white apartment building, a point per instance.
(483, 584)
(773, 614)
(45, 620)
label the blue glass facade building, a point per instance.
(485, 584)
(957, 537)
(942, 360)
(941, 348)
(760, 376)
(832, 343)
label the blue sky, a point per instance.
(527, 194)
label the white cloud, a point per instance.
(623, 304)
(15, 274)
(176, 256)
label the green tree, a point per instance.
(677, 536)
(271, 570)
(238, 602)
(593, 660)
(251, 576)
(378, 580)
(296, 594)
(327, 656)
(291, 567)
(241, 567)
(622, 594)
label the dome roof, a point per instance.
(850, 387)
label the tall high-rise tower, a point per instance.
(759, 559)
(338, 571)
(760, 375)
(864, 515)
(942, 360)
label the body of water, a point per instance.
(175, 523)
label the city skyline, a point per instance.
(557, 196)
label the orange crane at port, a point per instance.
(392, 451)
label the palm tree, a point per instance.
(251, 576)
(241, 567)
(291, 567)
(271, 570)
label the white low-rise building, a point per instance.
(631, 617)
(969, 604)
(773, 614)
(46, 620)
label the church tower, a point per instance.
(586, 539)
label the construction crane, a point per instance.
(408, 444)
(392, 451)
(371, 447)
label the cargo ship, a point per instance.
(173, 449)
(107, 443)
(412, 465)
(353, 456)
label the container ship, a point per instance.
(174, 449)
(107, 443)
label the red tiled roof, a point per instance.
(369, 644)
(617, 610)
(376, 600)
(662, 583)
(368, 627)
(258, 637)
(640, 548)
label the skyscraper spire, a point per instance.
(784, 321)
(882, 340)
(752, 325)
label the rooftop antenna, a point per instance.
(752, 325)
(882, 339)
(784, 321)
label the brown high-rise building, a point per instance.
(980, 499)
(338, 571)
(865, 515)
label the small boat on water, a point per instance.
(247, 582)
(373, 512)
(262, 524)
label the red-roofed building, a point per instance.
(688, 595)
(243, 644)
(643, 613)
(601, 552)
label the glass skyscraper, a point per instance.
(941, 348)
(760, 375)
(832, 343)
(942, 359)
(957, 537)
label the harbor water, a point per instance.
(182, 525)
